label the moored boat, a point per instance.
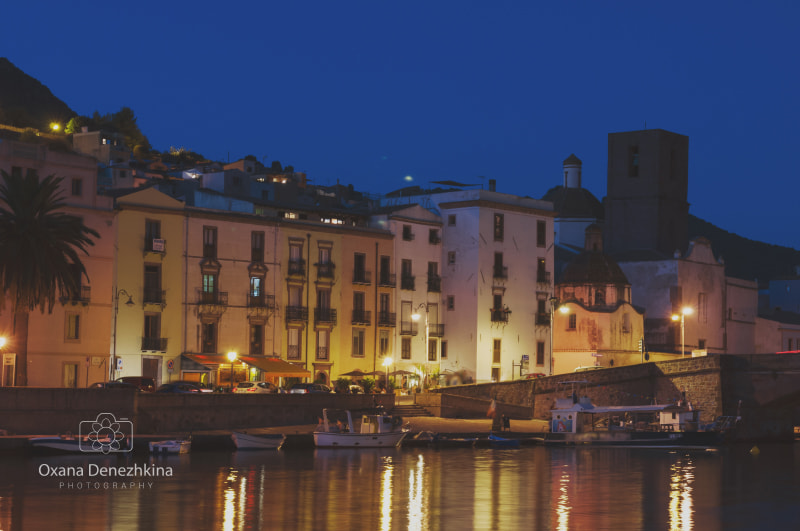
(172, 446)
(576, 420)
(70, 443)
(501, 442)
(376, 431)
(254, 441)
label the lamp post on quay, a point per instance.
(686, 310)
(112, 370)
(387, 362)
(232, 359)
(554, 304)
(415, 317)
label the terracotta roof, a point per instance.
(593, 268)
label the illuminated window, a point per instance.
(358, 342)
(405, 348)
(73, 326)
(499, 227)
(539, 353)
(573, 322)
(496, 348)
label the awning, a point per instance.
(190, 363)
(270, 366)
(277, 367)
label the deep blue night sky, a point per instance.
(371, 92)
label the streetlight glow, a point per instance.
(686, 310)
(232, 359)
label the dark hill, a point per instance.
(25, 102)
(744, 258)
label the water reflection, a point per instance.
(680, 495)
(420, 489)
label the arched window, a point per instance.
(599, 297)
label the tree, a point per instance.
(39, 252)
(74, 125)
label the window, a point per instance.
(209, 283)
(293, 344)
(152, 231)
(297, 265)
(500, 271)
(257, 339)
(385, 271)
(257, 247)
(70, 375)
(701, 344)
(633, 161)
(573, 322)
(499, 228)
(541, 233)
(451, 258)
(541, 273)
(539, 353)
(383, 343)
(407, 234)
(496, 345)
(209, 242)
(444, 350)
(152, 284)
(451, 220)
(151, 340)
(498, 301)
(433, 236)
(323, 339)
(431, 350)
(599, 297)
(360, 268)
(256, 287)
(405, 348)
(451, 302)
(77, 187)
(73, 326)
(789, 344)
(358, 342)
(626, 323)
(209, 337)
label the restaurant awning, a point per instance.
(270, 366)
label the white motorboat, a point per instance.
(376, 431)
(172, 446)
(255, 441)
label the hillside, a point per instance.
(25, 102)
(744, 258)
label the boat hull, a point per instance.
(702, 439)
(248, 441)
(170, 447)
(358, 440)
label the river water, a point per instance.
(582, 489)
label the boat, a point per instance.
(255, 441)
(500, 442)
(171, 447)
(69, 443)
(376, 430)
(438, 440)
(577, 421)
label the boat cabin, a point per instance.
(579, 415)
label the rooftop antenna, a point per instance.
(645, 124)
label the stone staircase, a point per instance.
(410, 410)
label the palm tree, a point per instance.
(39, 252)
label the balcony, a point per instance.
(500, 315)
(387, 319)
(325, 316)
(297, 267)
(500, 272)
(407, 282)
(219, 298)
(434, 284)
(434, 239)
(292, 352)
(154, 296)
(408, 235)
(322, 353)
(387, 280)
(436, 330)
(543, 318)
(362, 277)
(260, 301)
(154, 343)
(408, 328)
(211, 302)
(296, 314)
(155, 245)
(362, 317)
(543, 277)
(325, 270)
(256, 349)
(82, 296)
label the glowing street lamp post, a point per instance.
(387, 361)
(232, 359)
(112, 372)
(415, 317)
(563, 309)
(684, 312)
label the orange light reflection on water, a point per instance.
(680, 496)
(386, 498)
(562, 506)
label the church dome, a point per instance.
(593, 268)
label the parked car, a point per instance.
(255, 387)
(533, 375)
(309, 388)
(142, 382)
(113, 385)
(179, 388)
(204, 388)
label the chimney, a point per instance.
(492, 185)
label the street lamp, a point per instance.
(112, 371)
(232, 359)
(415, 317)
(387, 361)
(686, 310)
(563, 309)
